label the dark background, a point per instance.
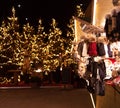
(32, 10)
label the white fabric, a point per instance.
(115, 45)
(84, 51)
(106, 50)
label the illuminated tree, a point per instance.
(30, 45)
(27, 40)
(26, 37)
(70, 34)
(54, 46)
(2, 35)
(3, 32)
(38, 45)
(68, 40)
(11, 39)
(79, 12)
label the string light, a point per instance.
(35, 46)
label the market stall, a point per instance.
(98, 61)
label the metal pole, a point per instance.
(93, 103)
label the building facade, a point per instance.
(101, 9)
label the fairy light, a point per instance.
(35, 45)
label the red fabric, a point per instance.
(112, 60)
(110, 82)
(92, 49)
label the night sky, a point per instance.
(32, 10)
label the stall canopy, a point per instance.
(82, 27)
(88, 27)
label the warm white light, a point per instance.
(19, 5)
(26, 19)
(102, 23)
(94, 12)
(75, 30)
(38, 70)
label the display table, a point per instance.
(111, 98)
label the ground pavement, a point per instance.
(45, 98)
